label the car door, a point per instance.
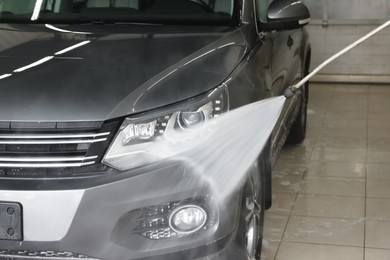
(286, 70)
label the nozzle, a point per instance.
(290, 91)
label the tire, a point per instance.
(265, 165)
(251, 221)
(297, 132)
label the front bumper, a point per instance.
(95, 217)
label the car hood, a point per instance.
(94, 73)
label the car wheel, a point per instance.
(266, 165)
(250, 229)
(298, 129)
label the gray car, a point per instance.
(87, 87)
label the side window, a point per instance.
(261, 9)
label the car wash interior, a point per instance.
(331, 196)
(194, 129)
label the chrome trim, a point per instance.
(10, 136)
(91, 141)
(30, 159)
(47, 159)
(44, 165)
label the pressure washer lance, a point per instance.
(290, 91)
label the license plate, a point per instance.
(10, 221)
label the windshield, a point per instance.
(215, 12)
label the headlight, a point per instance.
(148, 138)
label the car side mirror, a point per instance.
(286, 15)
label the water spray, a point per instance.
(224, 149)
(290, 91)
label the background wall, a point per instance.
(337, 23)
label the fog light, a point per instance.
(187, 219)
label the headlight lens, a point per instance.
(138, 131)
(140, 140)
(190, 119)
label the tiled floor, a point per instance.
(331, 195)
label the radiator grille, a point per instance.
(35, 149)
